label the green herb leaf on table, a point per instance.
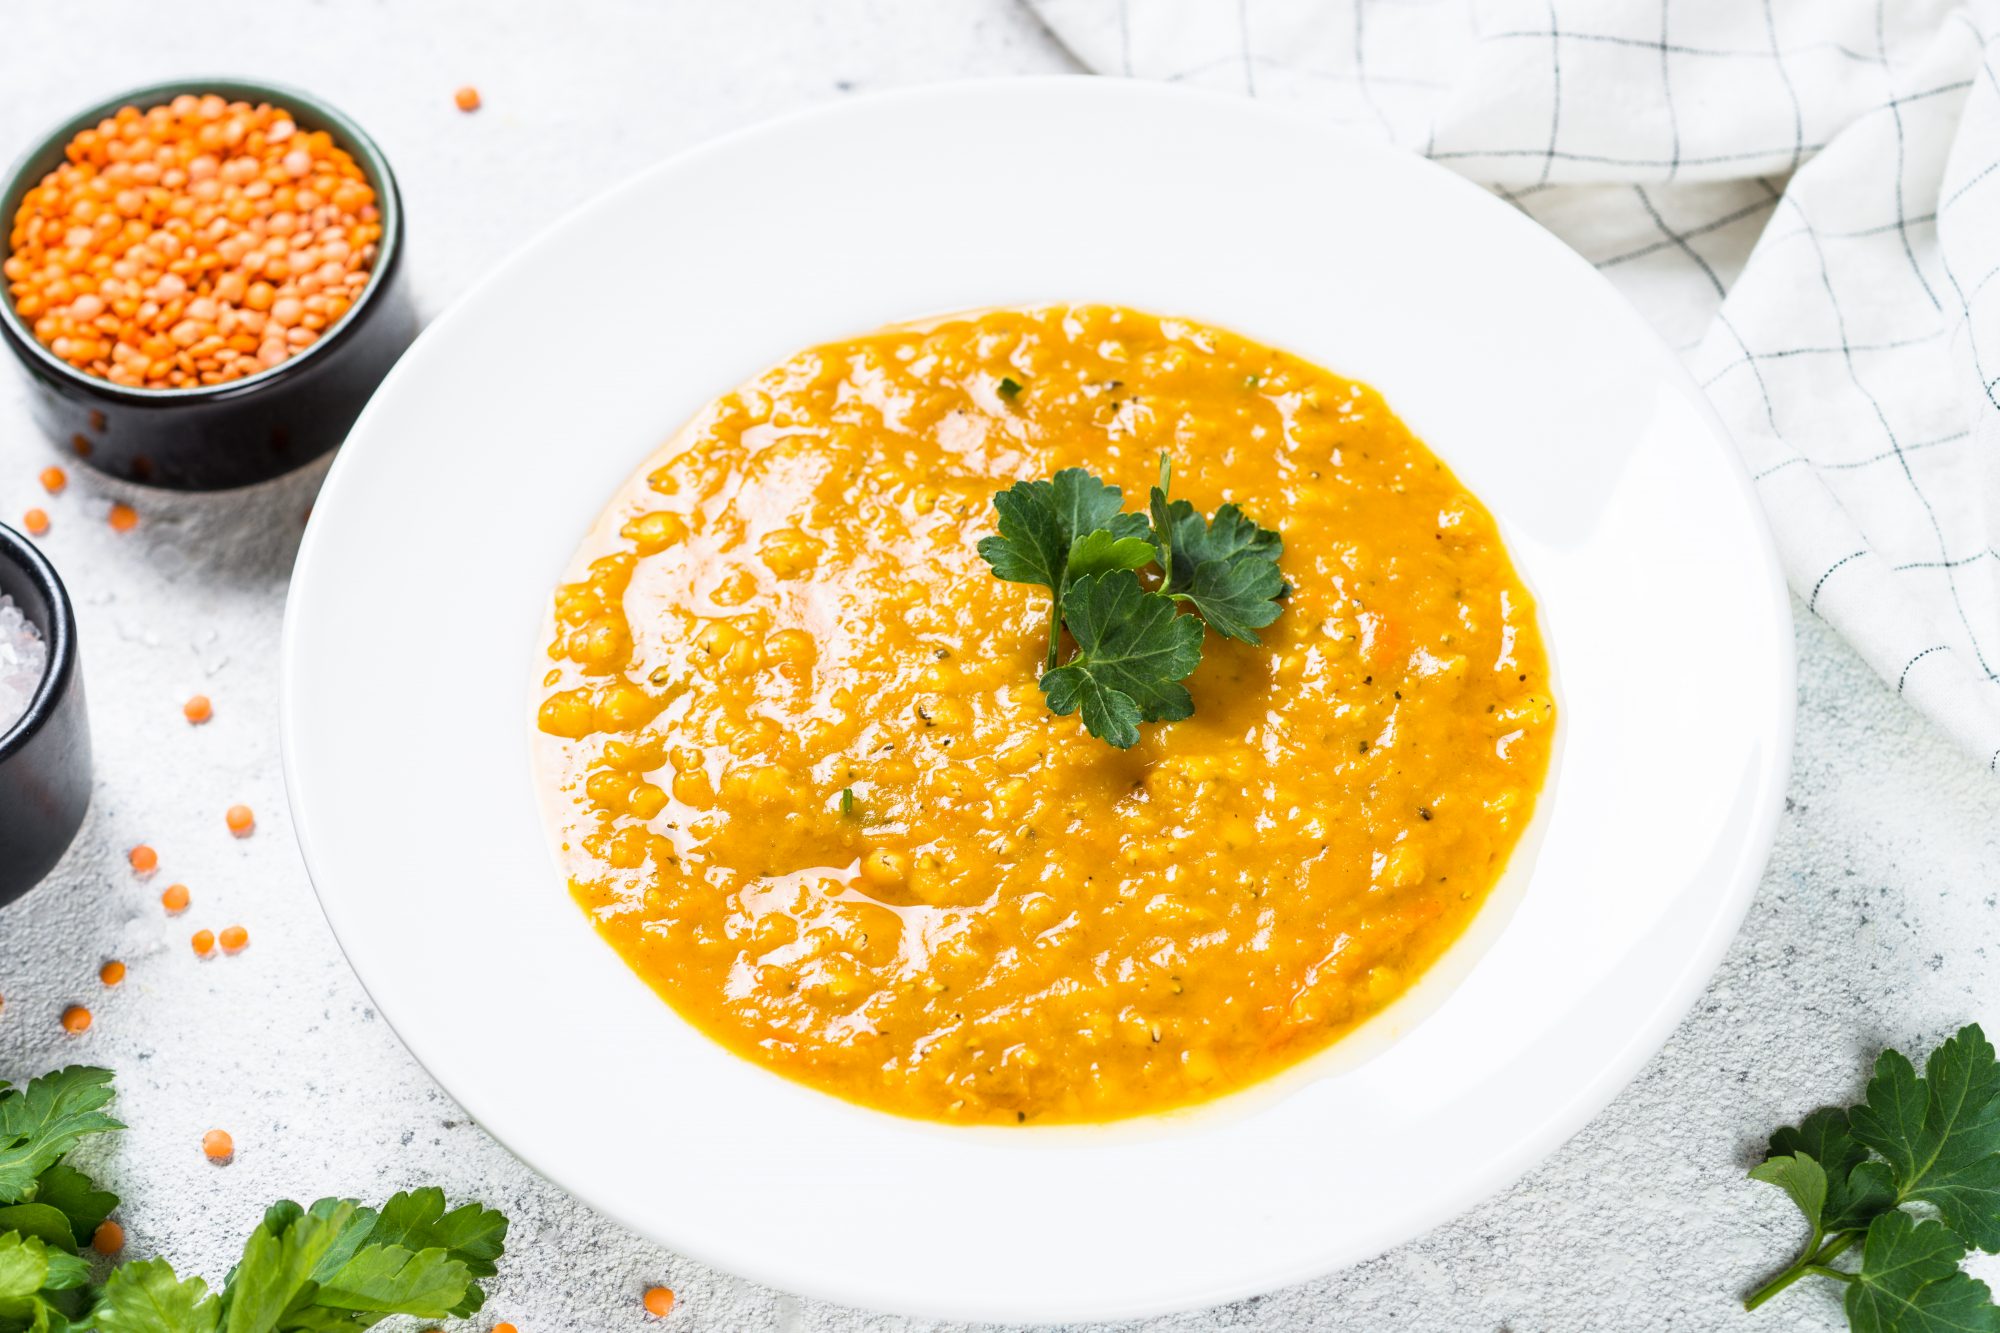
(1856, 1188)
(1931, 1141)
(1940, 1134)
(1910, 1281)
(335, 1266)
(41, 1122)
(146, 1297)
(71, 1193)
(1133, 650)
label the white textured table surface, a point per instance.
(1875, 923)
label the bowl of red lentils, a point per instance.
(203, 281)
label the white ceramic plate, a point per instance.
(414, 626)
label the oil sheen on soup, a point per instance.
(803, 780)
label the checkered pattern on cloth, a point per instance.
(1802, 195)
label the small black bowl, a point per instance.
(45, 756)
(251, 429)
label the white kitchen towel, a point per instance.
(1802, 195)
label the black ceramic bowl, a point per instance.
(45, 756)
(251, 429)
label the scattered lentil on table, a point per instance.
(203, 942)
(53, 479)
(659, 1301)
(192, 243)
(175, 899)
(111, 973)
(466, 98)
(218, 1146)
(234, 939)
(197, 709)
(241, 822)
(123, 518)
(76, 1019)
(144, 859)
(108, 1239)
(36, 521)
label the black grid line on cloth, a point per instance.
(1667, 90)
(1909, 475)
(1361, 69)
(1796, 152)
(1986, 381)
(1680, 241)
(1606, 160)
(1711, 52)
(1903, 679)
(1834, 349)
(1555, 91)
(1870, 461)
(1791, 90)
(1959, 563)
(1812, 602)
(1902, 211)
(1728, 219)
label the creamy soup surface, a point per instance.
(804, 782)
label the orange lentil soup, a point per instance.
(805, 783)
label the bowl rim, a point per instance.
(1620, 1061)
(59, 634)
(22, 172)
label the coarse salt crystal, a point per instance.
(23, 660)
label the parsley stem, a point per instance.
(1812, 1261)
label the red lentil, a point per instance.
(54, 479)
(192, 243)
(197, 710)
(36, 522)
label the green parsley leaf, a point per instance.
(1010, 388)
(41, 1122)
(1069, 535)
(847, 802)
(470, 1235)
(146, 1297)
(1228, 567)
(1910, 1282)
(71, 1193)
(40, 1221)
(1802, 1177)
(1133, 650)
(1856, 1189)
(389, 1279)
(24, 1266)
(1040, 522)
(1100, 552)
(275, 1273)
(1940, 1134)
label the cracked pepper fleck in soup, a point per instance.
(805, 783)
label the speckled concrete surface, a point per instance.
(1874, 924)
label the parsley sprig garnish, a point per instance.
(1133, 647)
(1931, 1143)
(336, 1265)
